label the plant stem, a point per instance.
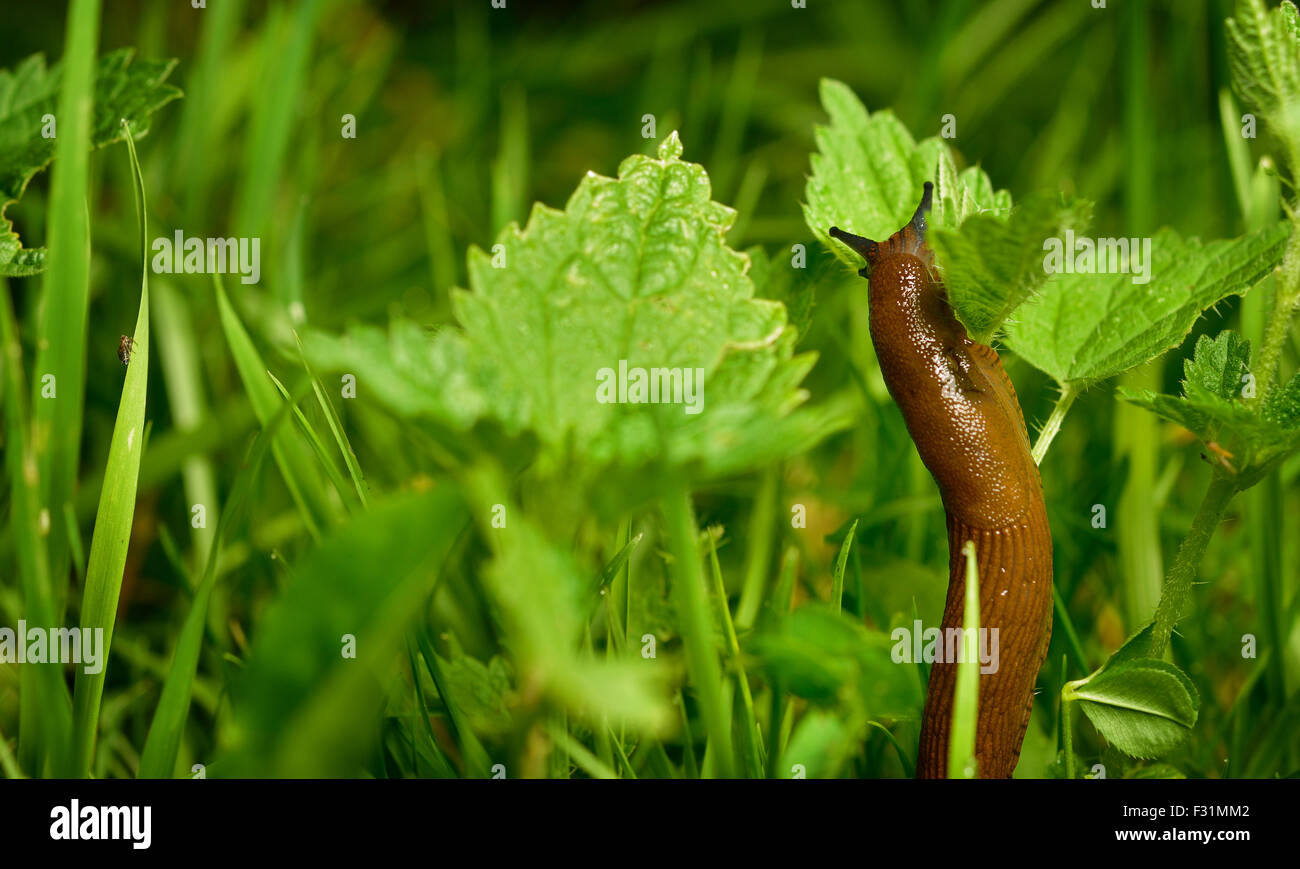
(691, 598)
(1178, 582)
(1286, 295)
(1067, 731)
(1069, 393)
(758, 556)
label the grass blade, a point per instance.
(965, 701)
(44, 697)
(116, 507)
(291, 454)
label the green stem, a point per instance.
(1286, 295)
(1067, 730)
(758, 557)
(1069, 393)
(1178, 582)
(690, 596)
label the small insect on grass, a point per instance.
(124, 347)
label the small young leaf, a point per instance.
(868, 172)
(1142, 706)
(1264, 56)
(1213, 408)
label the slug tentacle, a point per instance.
(961, 410)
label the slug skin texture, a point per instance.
(961, 410)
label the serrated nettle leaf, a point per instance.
(868, 172)
(1264, 56)
(29, 98)
(991, 265)
(1218, 365)
(622, 329)
(1082, 328)
(777, 279)
(1142, 706)
(1282, 407)
(1215, 406)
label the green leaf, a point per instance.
(992, 265)
(868, 171)
(1136, 646)
(634, 272)
(841, 561)
(123, 91)
(1247, 436)
(1264, 56)
(482, 691)
(303, 709)
(542, 626)
(1143, 706)
(116, 513)
(1083, 328)
(827, 657)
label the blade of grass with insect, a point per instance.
(292, 455)
(158, 759)
(43, 691)
(965, 700)
(116, 512)
(61, 340)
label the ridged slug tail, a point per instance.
(962, 412)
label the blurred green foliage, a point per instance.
(526, 644)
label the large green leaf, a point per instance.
(634, 271)
(1142, 706)
(303, 708)
(123, 90)
(1083, 328)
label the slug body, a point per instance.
(961, 410)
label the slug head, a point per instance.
(908, 240)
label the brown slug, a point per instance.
(962, 412)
